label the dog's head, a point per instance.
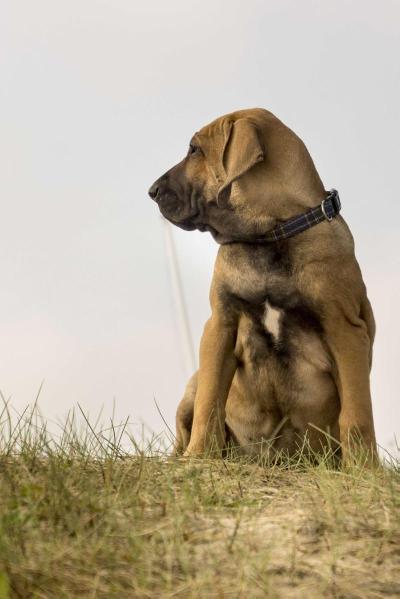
(243, 172)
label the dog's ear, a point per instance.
(241, 151)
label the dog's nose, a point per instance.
(153, 191)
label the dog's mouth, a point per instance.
(191, 222)
(187, 224)
(204, 228)
(171, 208)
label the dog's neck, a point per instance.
(327, 210)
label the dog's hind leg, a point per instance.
(184, 416)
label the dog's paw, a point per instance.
(194, 450)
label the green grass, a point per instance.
(90, 513)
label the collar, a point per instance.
(327, 210)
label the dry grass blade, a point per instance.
(97, 513)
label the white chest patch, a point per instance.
(272, 320)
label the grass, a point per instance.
(90, 513)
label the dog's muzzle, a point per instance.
(167, 200)
(172, 206)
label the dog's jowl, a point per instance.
(286, 354)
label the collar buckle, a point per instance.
(334, 197)
(333, 206)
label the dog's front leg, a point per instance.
(216, 371)
(350, 345)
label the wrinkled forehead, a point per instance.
(214, 133)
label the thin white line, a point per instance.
(180, 298)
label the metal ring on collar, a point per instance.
(328, 218)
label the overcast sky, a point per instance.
(97, 99)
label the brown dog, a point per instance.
(287, 352)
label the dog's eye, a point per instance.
(193, 149)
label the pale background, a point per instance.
(98, 98)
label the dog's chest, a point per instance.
(251, 273)
(259, 285)
(272, 319)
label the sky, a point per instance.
(99, 98)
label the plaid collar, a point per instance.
(327, 210)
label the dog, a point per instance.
(286, 354)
